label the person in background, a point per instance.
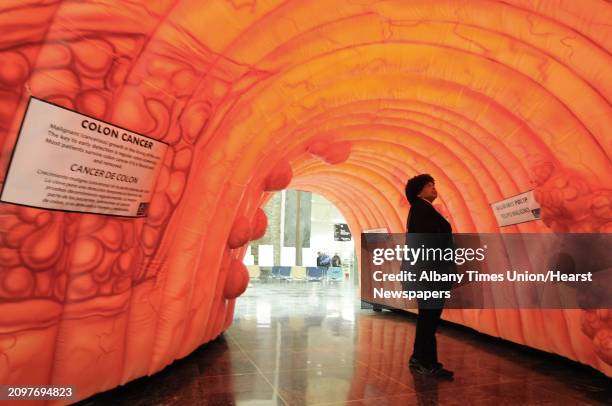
(319, 256)
(336, 261)
(325, 260)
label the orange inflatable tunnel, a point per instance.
(346, 99)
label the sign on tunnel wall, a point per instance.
(516, 209)
(64, 160)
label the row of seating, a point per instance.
(310, 273)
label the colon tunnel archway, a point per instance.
(347, 100)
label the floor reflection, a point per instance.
(310, 343)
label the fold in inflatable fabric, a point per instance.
(348, 100)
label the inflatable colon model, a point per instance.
(491, 98)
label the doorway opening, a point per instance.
(307, 240)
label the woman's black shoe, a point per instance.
(443, 373)
(435, 371)
(415, 362)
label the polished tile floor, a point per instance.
(310, 343)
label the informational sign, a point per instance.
(382, 230)
(265, 255)
(249, 258)
(372, 235)
(287, 256)
(342, 232)
(516, 209)
(309, 257)
(65, 160)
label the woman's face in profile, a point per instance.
(429, 192)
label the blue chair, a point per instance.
(315, 273)
(285, 272)
(276, 272)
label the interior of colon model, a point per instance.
(491, 98)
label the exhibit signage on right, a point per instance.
(516, 209)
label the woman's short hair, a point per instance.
(415, 185)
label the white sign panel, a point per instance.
(64, 160)
(516, 209)
(249, 259)
(265, 255)
(287, 256)
(382, 230)
(309, 257)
